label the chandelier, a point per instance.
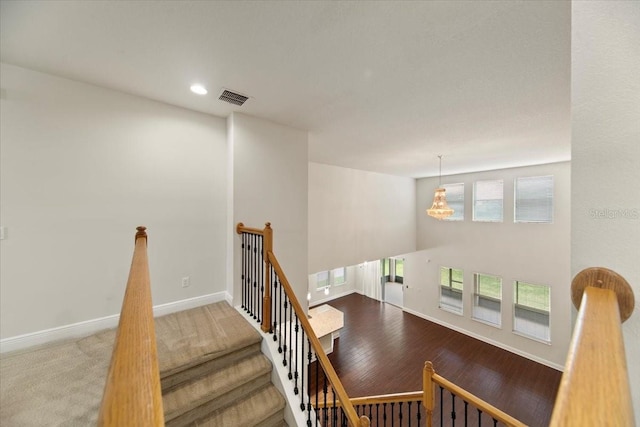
(440, 209)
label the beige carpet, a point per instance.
(61, 384)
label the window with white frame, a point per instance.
(393, 270)
(487, 298)
(487, 201)
(455, 200)
(339, 276)
(451, 289)
(533, 199)
(322, 280)
(531, 311)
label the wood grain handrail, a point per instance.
(410, 396)
(240, 228)
(132, 394)
(594, 390)
(474, 400)
(338, 388)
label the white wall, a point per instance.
(270, 185)
(357, 216)
(537, 253)
(606, 152)
(352, 284)
(81, 167)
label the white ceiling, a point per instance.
(381, 86)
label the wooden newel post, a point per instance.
(364, 421)
(267, 247)
(141, 233)
(428, 398)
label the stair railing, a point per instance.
(132, 394)
(594, 390)
(432, 405)
(268, 297)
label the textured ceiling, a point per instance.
(381, 86)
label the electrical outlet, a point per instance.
(186, 281)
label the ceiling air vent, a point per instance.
(232, 97)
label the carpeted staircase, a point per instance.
(212, 369)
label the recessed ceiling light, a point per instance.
(199, 89)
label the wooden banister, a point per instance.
(347, 406)
(132, 393)
(594, 390)
(412, 396)
(485, 407)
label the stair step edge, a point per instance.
(193, 370)
(200, 390)
(256, 408)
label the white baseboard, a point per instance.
(88, 327)
(489, 341)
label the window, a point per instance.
(339, 276)
(451, 289)
(534, 199)
(393, 270)
(487, 298)
(455, 200)
(487, 201)
(322, 280)
(398, 270)
(532, 305)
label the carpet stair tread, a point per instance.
(191, 400)
(262, 408)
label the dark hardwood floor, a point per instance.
(383, 349)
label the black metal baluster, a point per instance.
(392, 416)
(290, 335)
(370, 408)
(261, 282)
(282, 301)
(334, 414)
(495, 422)
(248, 286)
(248, 283)
(419, 415)
(409, 403)
(243, 261)
(400, 414)
(284, 329)
(317, 390)
(466, 407)
(324, 394)
(479, 418)
(255, 274)
(297, 353)
(274, 297)
(377, 414)
(453, 409)
(309, 384)
(441, 408)
(384, 413)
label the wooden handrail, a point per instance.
(477, 402)
(381, 398)
(339, 391)
(594, 389)
(240, 228)
(132, 393)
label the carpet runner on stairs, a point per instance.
(212, 371)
